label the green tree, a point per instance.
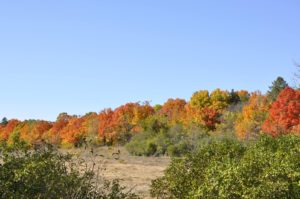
(277, 86)
(4, 121)
(234, 98)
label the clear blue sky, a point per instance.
(78, 56)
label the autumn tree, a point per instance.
(200, 99)
(142, 111)
(194, 108)
(6, 130)
(79, 130)
(106, 125)
(243, 95)
(73, 133)
(210, 117)
(54, 134)
(118, 125)
(249, 121)
(277, 86)
(205, 108)
(126, 117)
(174, 110)
(32, 131)
(284, 115)
(90, 127)
(219, 100)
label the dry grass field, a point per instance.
(115, 162)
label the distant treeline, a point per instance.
(245, 114)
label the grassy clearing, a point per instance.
(115, 162)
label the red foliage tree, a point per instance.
(284, 115)
(106, 123)
(210, 118)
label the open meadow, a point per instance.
(134, 172)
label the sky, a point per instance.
(78, 56)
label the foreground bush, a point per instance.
(45, 173)
(268, 168)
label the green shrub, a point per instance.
(151, 148)
(138, 144)
(268, 168)
(178, 149)
(155, 124)
(45, 173)
(175, 141)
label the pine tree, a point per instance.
(277, 86)
(4, 121)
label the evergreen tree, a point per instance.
(234, 97)
(4, 121)
(277, 86)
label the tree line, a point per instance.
(245, 114)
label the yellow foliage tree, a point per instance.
(205, 108)
(219, 100)
(200, 99)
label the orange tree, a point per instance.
(174, 110)
(32, 131)
(72, 133)
(6, 130)
(74, 129)
(118, 125)
(54, 134)
(106, 131)
(249, 121)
